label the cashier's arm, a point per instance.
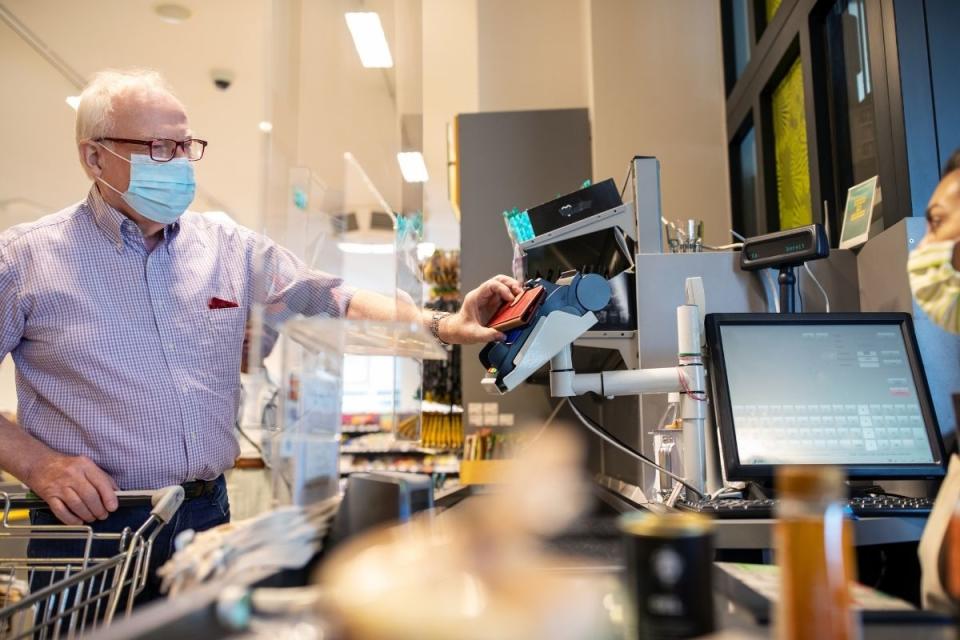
(73, 486)
(467, 326)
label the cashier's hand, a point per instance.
(75, 489)
(468, 326)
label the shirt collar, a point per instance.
(114, 224)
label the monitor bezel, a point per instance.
(723, 408)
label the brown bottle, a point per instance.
(815, 552)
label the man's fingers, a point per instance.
(515, 286)
(63, 514)
(488, 335)
(91, 499)
(502, 290)
(75, 504)
(105, 486)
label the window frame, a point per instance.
(797, 29)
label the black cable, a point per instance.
(799, 293)
(612, 439)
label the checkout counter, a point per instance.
(648, 309)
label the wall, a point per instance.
(657, 89)
(532, 54)
(450, 86)
(649, 91)
(943, 21)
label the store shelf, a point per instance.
(361, 430)
(438, 407)
(402, 469)
(364, 337)
(360, 451)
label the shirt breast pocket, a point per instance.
(221, 342)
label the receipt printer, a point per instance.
(566, 313)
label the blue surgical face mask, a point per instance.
(159, 191)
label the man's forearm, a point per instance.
(367, 305)
(20, 450)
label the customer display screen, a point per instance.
(841, 394)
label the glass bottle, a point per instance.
(815, 552)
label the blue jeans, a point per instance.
(204, 512)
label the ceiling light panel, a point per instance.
(412, 166)
(369, 39)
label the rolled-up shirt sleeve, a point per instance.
(11, 313)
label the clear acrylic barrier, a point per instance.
(305, 449)
(302, 332)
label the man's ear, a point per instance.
(90, 159)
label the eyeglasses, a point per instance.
(165, 149)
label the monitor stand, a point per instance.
(788, 284)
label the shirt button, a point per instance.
(170, 346)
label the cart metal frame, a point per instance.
(81, 593)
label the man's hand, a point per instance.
(468, 326)
(75, 489)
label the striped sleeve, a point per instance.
(290, 287)
(11, 314)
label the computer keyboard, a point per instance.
(875, 506)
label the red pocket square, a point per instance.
(220, 303)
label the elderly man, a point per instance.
(125, 318)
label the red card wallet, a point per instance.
(519, 312)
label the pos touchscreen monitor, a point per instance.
(844, 389)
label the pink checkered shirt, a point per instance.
(118, 356)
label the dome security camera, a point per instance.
(222, 78)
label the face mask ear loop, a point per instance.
(101, 180)
(106, 148)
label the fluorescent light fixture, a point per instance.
(412, 166)
(265, 126)
(74, 102)
(366, 248)
(369, 39)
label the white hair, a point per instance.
(96, 102)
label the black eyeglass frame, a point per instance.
(181, 144)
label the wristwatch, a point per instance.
(435, 325)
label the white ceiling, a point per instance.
(42, 174)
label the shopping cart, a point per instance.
(72, 596)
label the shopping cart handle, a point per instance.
(166, 502)
(30, 500)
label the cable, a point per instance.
(603, 434)
(247, 437)
(773, 288)
(826, 298)
(800, 293)
(270, 421)
(733, 246)
(553, 414)
(626, 181)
